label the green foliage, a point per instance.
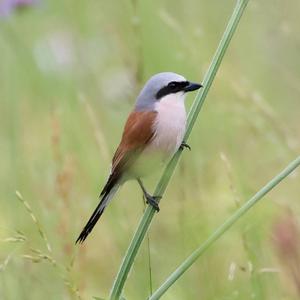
(223, 229)
(69, 74)
(144, 224)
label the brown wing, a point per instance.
(138, 131)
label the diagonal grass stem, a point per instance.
(146, 219)
(223, 228)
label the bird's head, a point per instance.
(161, 85)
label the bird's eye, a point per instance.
(172, 84)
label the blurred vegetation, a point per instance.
(69, 74)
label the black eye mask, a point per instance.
(172, 88)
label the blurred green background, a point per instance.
(69, 75)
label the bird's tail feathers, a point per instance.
(106, 196)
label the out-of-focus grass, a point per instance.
(69, 73)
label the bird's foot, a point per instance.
(152, 200)
(185, 145)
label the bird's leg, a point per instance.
(185, 145)
(152, 200)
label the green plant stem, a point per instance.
(223, 228)
(169, 170)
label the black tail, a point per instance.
(106, 195)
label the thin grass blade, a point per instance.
(223, 228)
(146, 219)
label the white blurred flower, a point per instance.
(55, 53)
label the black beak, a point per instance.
(192, 87)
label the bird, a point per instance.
(153, 132)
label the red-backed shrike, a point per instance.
(153, 133)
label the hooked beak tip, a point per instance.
(193, 87)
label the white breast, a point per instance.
(169, 129)
(170, 124)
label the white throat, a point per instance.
(172, 99)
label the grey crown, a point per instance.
(147, 97)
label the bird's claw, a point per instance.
(152, 200)
(185, 145)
